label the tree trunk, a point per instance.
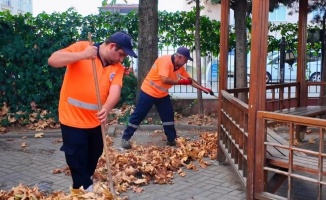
(147, 38)
(198, 57)
(241, 46)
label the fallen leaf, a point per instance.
(312, 141)
(140, 181)
(11, 119)
(38, 135)
(107, 194)
(295, 142)
(56, 171)
(57, 140)
(137, 189)
(2, 129)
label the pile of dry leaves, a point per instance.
(132, 169)
(38, 120)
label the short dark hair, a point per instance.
(117, 46)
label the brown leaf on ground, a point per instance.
(140, 181)
(23, 144)
(11, 119)
(59, 140)
(312, 141)
(181, 172)
(2, 129)
(137, 189)
(203, 164)
(56, 171)
(200, 120)
(33, 105)
(296, 142)
(4, 109)
(39, 135)
(158, 131)
(64, 170)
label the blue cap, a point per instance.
(185, 52)
(124, 41)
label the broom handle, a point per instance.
(108, 165)
(195, 84)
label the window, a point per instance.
(7, 2)
(20, 4)
(278, 14)
(126, 11)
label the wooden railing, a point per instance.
(233, 139)
(296, 163)
(233, 133)
(282, 96)
(278, 96)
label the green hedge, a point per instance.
(26, 42)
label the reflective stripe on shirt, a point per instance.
(158, 87)
(81, 104)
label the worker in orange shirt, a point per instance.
(164, 73)
(79, 117)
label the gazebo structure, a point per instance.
(263, 160)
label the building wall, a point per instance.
(16, 6)
(119, 8)
(278, 16)
(211, 11)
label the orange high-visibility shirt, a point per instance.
(163, 66)
(78, 100)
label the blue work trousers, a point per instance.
(83, 148)
(145, 103)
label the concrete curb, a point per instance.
(111, 131)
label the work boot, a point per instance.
(125, 144)
(89, 189)
(171, 143)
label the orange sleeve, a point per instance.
(76, 47)
(117, 80)
(183, 72)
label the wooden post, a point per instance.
(257, 95)
(302, 49)
(302, 62)
(223, 71)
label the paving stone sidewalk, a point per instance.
(33, 165)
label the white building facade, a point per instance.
(279, 15)
(16, 7)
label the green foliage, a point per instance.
(124, 119)
(290, 32)
(177, 29)
(128, 92)
(26, 42)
